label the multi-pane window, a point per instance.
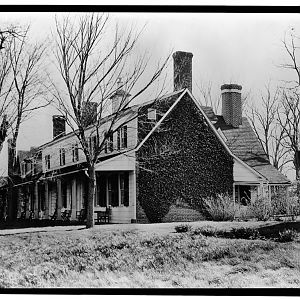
(122, 137)
(152, 114)
(75, 154)
(93, 143)
(112, 187)
(109, 144)
(62, 156)
(47, 161)
(124, 192)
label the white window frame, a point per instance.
(62, 157)
(151, 114)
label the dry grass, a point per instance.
(135, 258)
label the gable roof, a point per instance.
(209, 122)
(244, 143)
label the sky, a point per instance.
(227, 48)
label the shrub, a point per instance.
(210, 231)
(287, 235)
(293, 205)
(261, 208)
(245, 233)
(183, 228)
(219, 208)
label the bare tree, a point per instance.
(289, 112)
(90, 57)
(22, 92)
(263, 117)
(28, 90)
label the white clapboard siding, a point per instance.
(66, 142)
(241, 173)
(122, 162)
(121, 214)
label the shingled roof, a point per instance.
(243, 143)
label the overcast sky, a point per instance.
(237, 48)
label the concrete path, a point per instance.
(160, 228)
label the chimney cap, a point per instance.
(58, 117)
(182, 53)
(231, 86)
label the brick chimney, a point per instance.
(89, 113)
(182, 70)
(120, 98)
(232, 104)
(59, 126)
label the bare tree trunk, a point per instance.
(91, 197)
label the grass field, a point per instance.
(110, 256)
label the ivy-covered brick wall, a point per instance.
(182, 162)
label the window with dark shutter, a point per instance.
(124, 189)
(75, 154)
(101, 191)
(111, 142)
(124, 137)
(119, 139)
(113, 190)
(62, 157)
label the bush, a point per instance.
(287, 235)
(261, 208)
(219, 208)
(183, 228)
(283, 204)
(210, 231)
(293, 206)
(245, 233)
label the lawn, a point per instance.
(147, 256)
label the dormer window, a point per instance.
(62, 157)
(152, 114)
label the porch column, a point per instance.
(233, 197)
(46, 200)
(74, 200)
(28, 200)
(78, 195)
(59, 199)
(36, 201)
(19, 199)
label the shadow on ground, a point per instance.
(37, 223)
(271, 231)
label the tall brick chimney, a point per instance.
(59, 126)
(89, 113)
(232, 104)
(182, 70)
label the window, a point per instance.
(47, 161)
(113, 195)
(152, 114)
(62, 156)
(122, 137)
(109, 143)
(101, 189)
(93, 143)
(124, 192)
(23, 168)
(75, 154)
